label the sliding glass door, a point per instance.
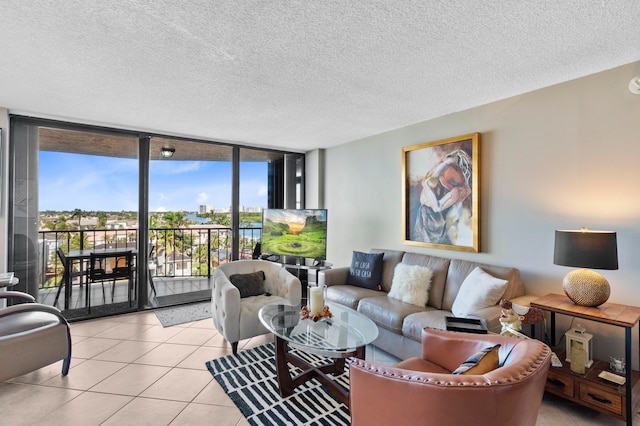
(182, 207)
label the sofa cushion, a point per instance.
(459, 269)
(413, 324)
(478, 291)
(411, 284)
(386, 312)
(481, 362)
(251, 284)
(439, 266)
(389, 261)
(365, 270)
(349, 295)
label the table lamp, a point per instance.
(586, 249)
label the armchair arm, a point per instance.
(17, 295)
(32, 307)
(290, 287)
(336, 276)
(225, 306)
(407, 397)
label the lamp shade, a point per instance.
(586, 249)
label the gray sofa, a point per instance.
(400, 324)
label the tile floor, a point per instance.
(129, 370)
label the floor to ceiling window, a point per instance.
(182, 207)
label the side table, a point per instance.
(588, 389)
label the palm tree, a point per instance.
(77, 213)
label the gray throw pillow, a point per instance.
(251, 284)
(366, 270)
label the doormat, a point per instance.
(184, 313)
(249, 378)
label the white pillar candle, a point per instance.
(316, 304)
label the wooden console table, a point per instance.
(588, 389)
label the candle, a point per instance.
(316, 302)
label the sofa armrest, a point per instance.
(492, 317)
(336, 276)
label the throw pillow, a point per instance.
(481, 362)
(411, 284)
(478, 291)
(251, 284)
(365, 270)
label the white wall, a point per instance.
(562, 157)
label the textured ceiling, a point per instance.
(295, 74)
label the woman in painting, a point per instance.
(442, 200)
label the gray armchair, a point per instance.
(236, 318)
(32, 336)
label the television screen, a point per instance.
(300, 233)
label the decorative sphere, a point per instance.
(586, 287)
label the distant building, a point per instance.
(205, 208)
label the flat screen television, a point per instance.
(299, 233)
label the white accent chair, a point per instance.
(32, 336)
(237, 319)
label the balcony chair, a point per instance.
(235, 317)
(111, 267)
(32, 336)
(424, 390)
(70, 275)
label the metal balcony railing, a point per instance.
(177, 252)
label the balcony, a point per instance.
(181, 263)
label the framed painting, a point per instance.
(440, 192)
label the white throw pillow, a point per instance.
(478, 291)
(411, 283)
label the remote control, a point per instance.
(555, 361)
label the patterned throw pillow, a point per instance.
(251, 284)
(365, 270)
(481, 362)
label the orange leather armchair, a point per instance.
(423, 390)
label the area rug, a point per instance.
(182, 314)
(249, 378)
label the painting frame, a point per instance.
(440, 195)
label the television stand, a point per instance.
(300, 267)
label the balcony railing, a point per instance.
(177, 252)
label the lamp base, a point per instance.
(586, 287)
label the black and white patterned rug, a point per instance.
(249, 378)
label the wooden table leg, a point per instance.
(285, 384)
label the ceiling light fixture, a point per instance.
(167, 152)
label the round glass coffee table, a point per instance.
(344, 335)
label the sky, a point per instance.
(70, 181)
